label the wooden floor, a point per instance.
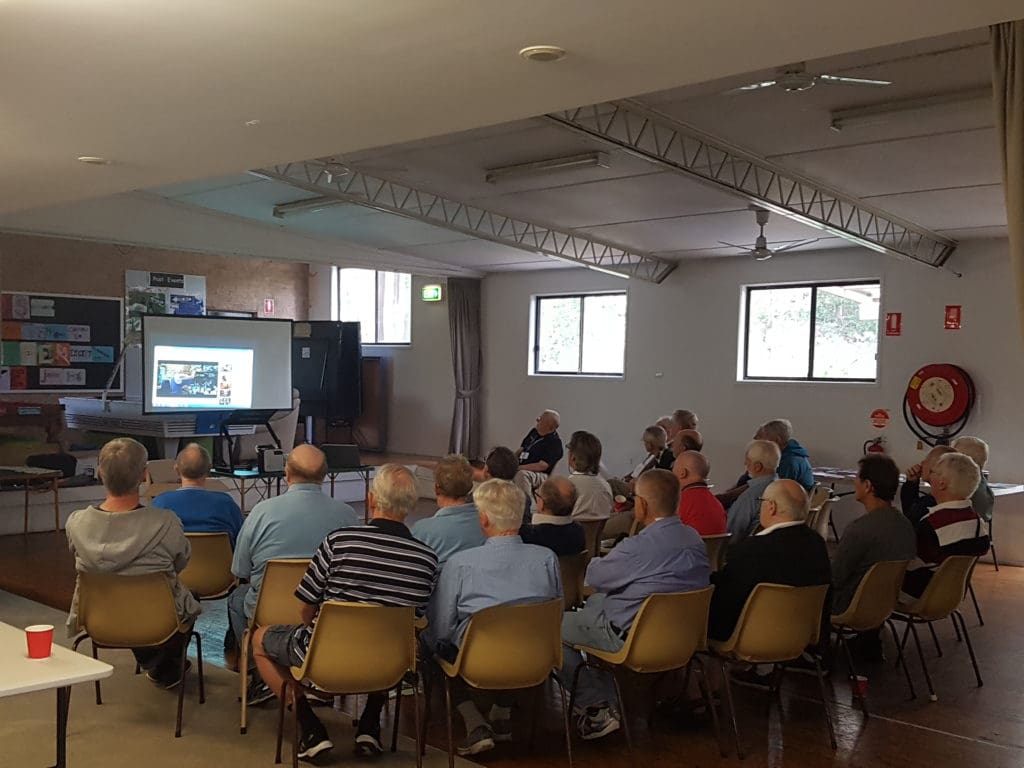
(967, 726)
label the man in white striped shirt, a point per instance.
(379, 563)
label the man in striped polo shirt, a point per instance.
(379, 563)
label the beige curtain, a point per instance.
(1008, 90)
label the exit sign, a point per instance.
(431, 293)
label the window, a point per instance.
(581, 334)
(380, 301)
(820, 332)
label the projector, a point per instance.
(270, 458)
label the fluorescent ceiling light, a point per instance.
(309, 205)
(551, 165)
(972, 99)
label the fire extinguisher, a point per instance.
(875, 445)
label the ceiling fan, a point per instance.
(761, 251)
(795, 77)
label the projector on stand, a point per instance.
(270, 458)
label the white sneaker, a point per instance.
(596, 722)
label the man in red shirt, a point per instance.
(698, 507)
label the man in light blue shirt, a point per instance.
(288, 526)
(456, 525)
(503, 571)
(666, 556)
(761, 460)
(200, 510)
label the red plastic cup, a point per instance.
(860, 686)
(620, 503)
(40, 640)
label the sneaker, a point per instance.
(596, 722)
(257, 693)
(167, 680)
(501, 730)
(480, 740)
(368, 745)
(313, 742)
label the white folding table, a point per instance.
(61, 670)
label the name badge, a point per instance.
(524, 456)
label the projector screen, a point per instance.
(217, 364)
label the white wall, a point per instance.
(682, 353)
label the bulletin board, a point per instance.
(52, 342)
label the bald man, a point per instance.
(786, 551)
(698, 507)
(914, 503)
(541, 449)
(291, 525)
(200, 510)
(686, 440)
(552, 525)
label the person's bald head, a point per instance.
(193, 463)
(784, 501)
(556, 496)
(655, 495)
(548, 422)
(306, 464)
(691, 467)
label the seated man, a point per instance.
(552, 525)
(684, 419)
(793, 462)
(286, 526)
(666, 556)
(951, 527)
(593, 494)
(761, 460)
(123, 536)
(200, 510)
(503, 571)
(785, 552)
(686, 440)
(698, 507)
(983, 499)
(659, 456)
(541, 449)
(882, 534)
(379, 563)
(914, 503)
(456, 525)
(501, 464)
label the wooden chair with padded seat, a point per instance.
(355, 648)
(716, 545)
(275, 604)
(668, 631)
(592, 531)
(871, 607)
(134, 612)
(208, 573)
(941, 599)
(508, 648)
(761, 637)
(574, 569)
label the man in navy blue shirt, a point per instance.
(541, 449)
(200, 510)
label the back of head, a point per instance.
(766, 453)
(306, 464)
(779, 431)
(502, 503)
(883, 474)
(121, 465)
(394, 491)
(453, 476)
(696, 465)
(655, 438)
(501, 463)
(790, 499)
(960, 473)
(660, 489)
(690, 440)
(193, 462)
(684, 419)
(668, 424)
(974, 447)
(585, 452)
(558, 495)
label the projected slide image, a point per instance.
(202, 377)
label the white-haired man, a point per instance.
(951, 527)
(503, 571)
(761, 460)
(379, 563)
(983, 499)
(541, 449)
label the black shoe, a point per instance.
(313, 742)
(368, 744)
(257, 692)
(168, 678)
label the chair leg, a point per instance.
(295, 722)
(95, 655)
(622, 711)
(416, 710)
(398, 714)
(974, 599)
(280, 721)
(535, 705)
(565, 718)
(199, 666)
(924, 665)
(428, 688)
(935, 639)
(572, 691)
(853, 677)
(448, 720)
(705, 688)
(995, 560)
(901, 660)
(732, 709)
(970, 648)
(956, 628)
(825, 702)
(181, 689)
(243, 681)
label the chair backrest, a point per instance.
(162, 471)
(876, 596)
(668, 629)
(592, 532)
(276, 602)
(946, 589)
(508, 647)
(360, 648)
(636, 527)
(127, 611)
(777, 623)
(819, 493)
(716, 545)
(817, 519)
(574, 569)
(209, 568)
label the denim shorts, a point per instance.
(279, 644)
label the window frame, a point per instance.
(814, 286)
(535, 352)
(377, 319)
